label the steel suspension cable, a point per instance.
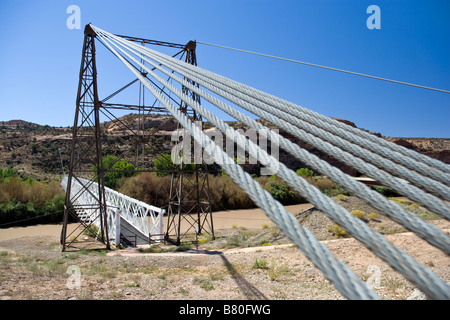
(427, 231)
(333, 269)
(399, 185)
(422, 181)
(399, 260)
(328, 68)
(423, 164)
(434, 186)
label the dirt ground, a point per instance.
(249, 262)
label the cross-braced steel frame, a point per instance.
(189, 202)
(188, 205)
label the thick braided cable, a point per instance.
(414, 193)
(412, 160)
(397, 258)
(332, 268)
(428, 232)
(393, 210)
(426, 164)
(386, 164)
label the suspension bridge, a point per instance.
(420, 178)
(127, 219)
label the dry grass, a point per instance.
(147, 187)
(28, 191)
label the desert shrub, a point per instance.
(225, 194)
(338, 231)
(92, 231)
(183, 247)
(202, 241)
(240, 239)
(322, 183)
(260, 264)
(147, 187)
(327, 186)
(204, 283)
(358, 214)
(402, 202)
(335, 190)
(277, 273)
(372, 216)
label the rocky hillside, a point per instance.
(35, 150)
(437, 148)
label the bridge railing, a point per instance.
(145, 218)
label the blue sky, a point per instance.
(40, 56)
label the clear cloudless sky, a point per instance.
(40, 57)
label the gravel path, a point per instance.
(34, 268)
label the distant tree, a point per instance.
(7, 173)
(164, 164)
(116, 169)
(33, 148)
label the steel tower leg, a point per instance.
(189, 201)
(86, 136)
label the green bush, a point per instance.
(260, 264)
(121, 169)
(335, 190)
(305, 172)
(6, 173)
(281, 191)
(385, 191)
(164, 165)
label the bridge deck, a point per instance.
(129, 235)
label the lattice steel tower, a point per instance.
(188, 205)
(189, 191)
